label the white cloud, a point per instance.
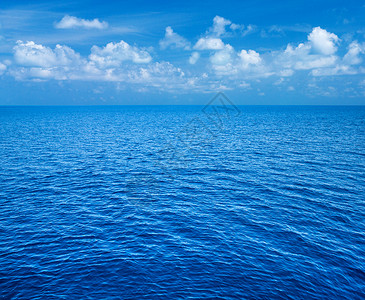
(159, 74)
(113, 54)
(221, 66)
(118, 62)
(223, 27)
(249, 29)
(246, 63)
(74, 22)
(219, 26)
(224, 56)
(319, 56)
(2, 68)
(323, 41)
(31, 54)
(223, 61)
(194, 58)
(209, 44)
(173, 40)
(352, 57)
(336, 70)
(348, 65)
(313, 62)
(318, 52)
(249, 58)
(41, 73)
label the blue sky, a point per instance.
(161, 52)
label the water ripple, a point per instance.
(93, 204)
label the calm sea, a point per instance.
(141, 202)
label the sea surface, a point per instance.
(175, 202)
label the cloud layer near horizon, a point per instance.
(210, 62)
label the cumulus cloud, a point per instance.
(221, 65)
(223, 56)
(68, 22)
(119, 62)
(300, 58)
(246, 63)
(209, 44)
(318, 52)
(223, 61)
(319, 56)
(173, 40)
(113, 54)
(323, 41)
(31, 54)
(37, 61)
(249, 58)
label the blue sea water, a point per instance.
(166, 202)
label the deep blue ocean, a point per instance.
(175, 202)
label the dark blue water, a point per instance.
(170, 202)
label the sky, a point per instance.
(165, 52)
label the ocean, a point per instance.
(171, 202)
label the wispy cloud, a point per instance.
(194, 58)
(2, 68)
